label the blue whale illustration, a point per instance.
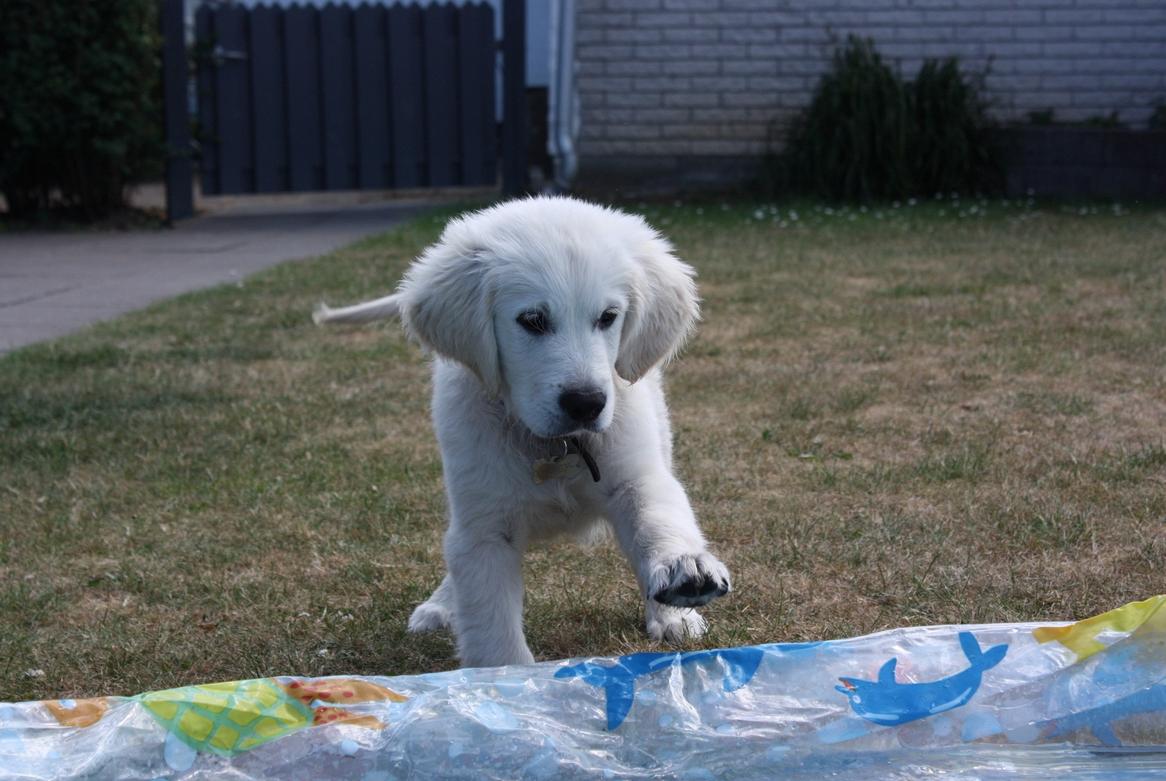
(619, 680)
(889, 703)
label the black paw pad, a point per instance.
(692, 592)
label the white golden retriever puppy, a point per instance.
(550, 319)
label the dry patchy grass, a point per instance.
(907, 415)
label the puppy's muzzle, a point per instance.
(583, 406)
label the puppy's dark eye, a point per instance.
(534, 322)
(606, 319)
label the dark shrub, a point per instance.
(79, 103)
(869, 135)
(1158, 118)
(850, 142)
(952, 146)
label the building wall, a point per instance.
(692, 86)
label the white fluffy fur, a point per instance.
(496, 409)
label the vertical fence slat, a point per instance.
(372, 103)
(337, 86)
(269, 116)
(234, 98)
(514, 116)
(208, 166)
(476, 92)
(441, 94)
(491, 137)
(302, 72)
(406, 67)
(179, 171)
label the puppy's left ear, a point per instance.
(662, 309)
(447, 306)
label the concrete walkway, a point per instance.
(53, 283)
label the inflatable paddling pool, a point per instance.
(977, 701)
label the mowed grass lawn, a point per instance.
(926, 414)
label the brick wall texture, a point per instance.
(708, 78)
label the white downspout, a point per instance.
(562, 98)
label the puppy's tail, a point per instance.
(380, 309)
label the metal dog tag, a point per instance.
(557, 466)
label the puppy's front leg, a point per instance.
(660, 537)
(485, 567)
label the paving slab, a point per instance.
(54, 283)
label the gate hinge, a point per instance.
(219, 55)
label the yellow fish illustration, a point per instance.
(227, 718)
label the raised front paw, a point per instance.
(689, 581)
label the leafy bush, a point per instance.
(1158, 117)
(850, 142)
(80, 113)
(869, 135)
(952, 148)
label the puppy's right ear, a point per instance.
(447, 306)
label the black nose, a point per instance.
(583, 406)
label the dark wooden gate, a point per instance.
(339, 97)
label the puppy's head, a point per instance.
(548, 301)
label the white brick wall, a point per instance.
(691, 78)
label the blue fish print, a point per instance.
(889, 703)
(619, 680)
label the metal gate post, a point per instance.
(514, 98)
(176, 120)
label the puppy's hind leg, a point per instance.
(436, 612)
